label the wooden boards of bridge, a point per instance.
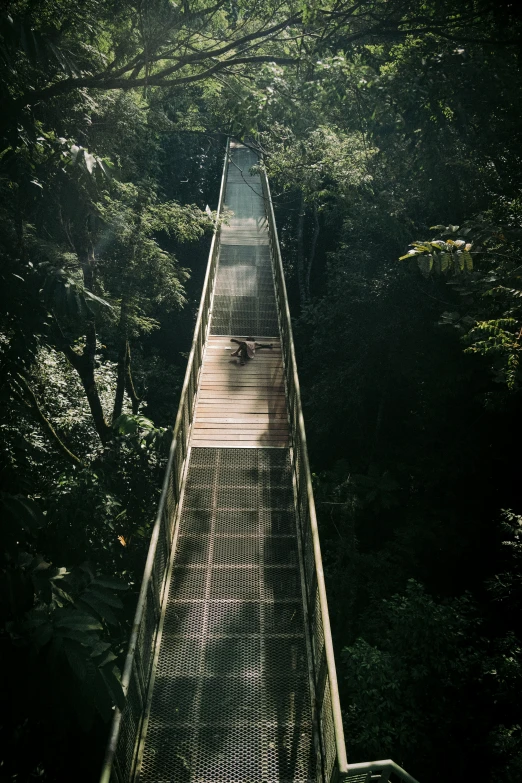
(241, 406)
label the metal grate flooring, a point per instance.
(244, 297)
(230, 700)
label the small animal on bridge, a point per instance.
(247, 348)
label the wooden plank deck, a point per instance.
(241, 406)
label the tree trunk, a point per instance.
(125, 383)
(120, 383)
(122, 361)
(25, 393)
(311, 255)
(85, 369)
(301, 275)
(84, 363)
(129, 382)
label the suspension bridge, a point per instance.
(230, 674)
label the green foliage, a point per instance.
(402, 672)
(499, 341)
(57, 620)
(66, 297)
(21, 520)
(325, 162)
(485, 286)
(138, 271)
(144, 433)
(375, 489)
(506, 587)
(506, 743)
(441, 256)
(91, 291)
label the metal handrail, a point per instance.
(385, 768)
(126, 726)
(338, 766)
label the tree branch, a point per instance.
(110, 79)
(313, 245)
(120, 384)
(261, 36)
(156, 80)
(84, 366)
(300, 252)
(40, 416)
(129, 382)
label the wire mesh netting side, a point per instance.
(132, 715)
(323, 699)
(129, 728)
(328, 733)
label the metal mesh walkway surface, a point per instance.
(244, 297)
(231, 699)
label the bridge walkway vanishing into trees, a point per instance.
(230, 674)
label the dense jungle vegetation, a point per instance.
(383, 123)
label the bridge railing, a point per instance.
(386, 771)
(325, 695)
(125, 733)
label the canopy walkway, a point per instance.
(230, 674)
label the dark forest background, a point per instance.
(391, 134)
